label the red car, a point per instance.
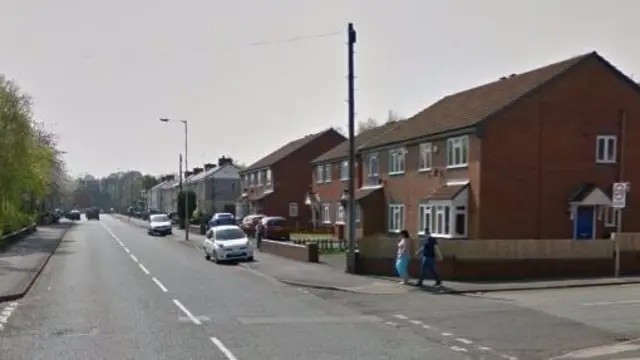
(275, 228)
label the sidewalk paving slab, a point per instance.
(22, 263)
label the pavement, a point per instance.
(110, 291)
(22, 262)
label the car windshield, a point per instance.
(224, 216)
(230, 234)
(160, 218)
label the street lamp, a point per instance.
(186, 166)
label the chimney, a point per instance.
(209, 166)
(224, 161)
(512, 75)
(503, 78)
(197, 170)
(170, 177)
(187, 173)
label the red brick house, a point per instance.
(277, 184)
(531, 155)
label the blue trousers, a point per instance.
(402, 265)
(428, 265)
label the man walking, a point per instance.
(428, 253)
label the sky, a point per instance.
(102, 73)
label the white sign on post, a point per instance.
(619, 198)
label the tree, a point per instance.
(26, 159)
(192, 204)
(371, 123)
(149, 181)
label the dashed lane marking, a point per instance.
(134, 258)
(160, 285)
(187, 312)
(6, 313)
(144, 269)
(223, 348)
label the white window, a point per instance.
(396, 161)
(344, 170)
(425, 157)
(260, 178)
(339, 213)
(328, 176)
(606, 148)
(424, 218)
(446, 220)
(611, 216)
(268, 177)
(252, 179)
(458, 151)
(373, 165)
(293, 209)
(358, 213)
(319, 174)
(460, 221)
(396, 217)
(326, 213)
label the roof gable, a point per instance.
(286, 150)
(468, 108)
(361, 140)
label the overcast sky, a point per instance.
(103, 72)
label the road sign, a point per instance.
(619, 198)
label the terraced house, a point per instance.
(276, 185)
(530, 155)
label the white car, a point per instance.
(227, 243)
(159, 224)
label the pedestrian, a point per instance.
(428, 253)
(403, 257)
(259, 234)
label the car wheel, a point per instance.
(215, 257)
(206, 255)
(250, 259)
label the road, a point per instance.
(585, 323)
(112, 292)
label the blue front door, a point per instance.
(584, 222)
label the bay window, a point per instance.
(443, 219)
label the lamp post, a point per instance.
(346, 200)
(186, 166)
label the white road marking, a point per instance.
(601, 303)
(400, 316)
(446, 334)
(426, 326)
(391, 323)
(187, 312)
(126, 249)
(159, 284)
(6, 313)
(144, 269)
(415, 322)
(134, 258)
(464, 341)
(458, 348)
(484, 348)
(601, 351)
(223, 348)
(508, 357)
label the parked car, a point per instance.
(73, 215)
(275, 228)
(93, 214)
(159, 224)
(227, 243)
(249, 223)
(174, 217)
(221, 219)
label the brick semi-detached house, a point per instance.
(277, 184)
(531, 155)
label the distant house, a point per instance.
(278, 183)
(217, 186)
(528, 156)
(155, 195)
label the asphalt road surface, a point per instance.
(587, 323)
(113, 292)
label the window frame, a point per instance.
(319, 174)
(344, 170)
(340, 214)
(328, 176)
(358, 210)
(268, 177)
(397, 161)
(610, 143)
(395, 209)
(294, 205)
(326, 213)
(424, 210)
(611, 217)
(461, 144)
(425, 156)
(373, 158)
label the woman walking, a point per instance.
(404, 254)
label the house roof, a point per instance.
(204, 174)
(447, 192)
(285, 151)
(468, 108)
(361, 140)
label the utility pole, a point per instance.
(351, 239)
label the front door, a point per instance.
(584, 222)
